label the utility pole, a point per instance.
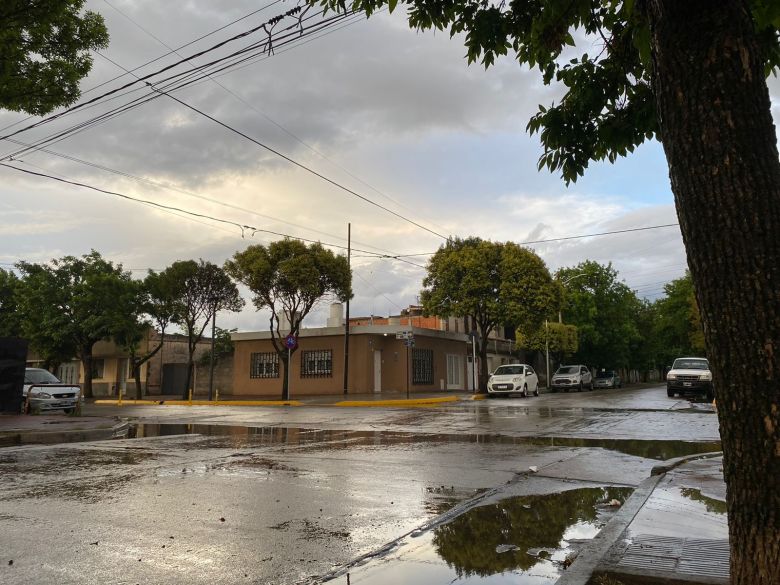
(211, 361)
(547, 351)
(346, 322)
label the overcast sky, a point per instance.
(394, 115)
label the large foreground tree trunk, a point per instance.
(721, 146)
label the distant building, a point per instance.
(379, 362)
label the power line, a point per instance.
(258, 111)
(300, 165)
(243, 227)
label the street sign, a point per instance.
(290, 342)
(405, 335)
(409, 342)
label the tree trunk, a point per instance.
(188, 385)
(137, 377)
(86, 363)
(717, 131)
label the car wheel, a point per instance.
(710, 395)
(525, 391)
(670, 392)
(536, 390)
(68, 410)
(580, 388)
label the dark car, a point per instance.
(607, 379)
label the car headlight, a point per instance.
(671, 376)
(707, 377)
(40, 394)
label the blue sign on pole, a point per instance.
(290, 342)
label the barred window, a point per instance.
(422, 366)
(264, 365)
(317, 363)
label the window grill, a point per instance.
(264, 365)
(317, 363)
(422, 366)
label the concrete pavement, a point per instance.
(672, 529)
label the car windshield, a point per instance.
(605, 375)
(39, 377)
(509, 370)
(690, 364)
(568, 370)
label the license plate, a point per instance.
(686, 383)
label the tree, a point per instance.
(10, 318)
(155, 310)
(677, 322)
(199, 290)
(73, 303)
(492, 283)
(693, 75)
(560, 339)
(604, 311)
(289, 278)
(45, 50)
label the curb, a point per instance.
(670, 464)
(583, 567)
(200, 402)
(401, 402)
(118, 431)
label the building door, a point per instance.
(454, 372)
(377, 371)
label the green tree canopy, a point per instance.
(604, 311)
(10, 317)
(71, 304)
(45, 52)
(678, 330)
(288, 277)
(492, 283)
(196, 291)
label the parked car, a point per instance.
(513, 378)
(45, 392)
(572, 378)
(607, 379)
(690, 375)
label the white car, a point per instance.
(572, 378)
(690, 375)
(513, 378)
(45, 392)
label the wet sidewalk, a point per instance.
(673, 530)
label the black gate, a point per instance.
(174, 379)
(13, 356)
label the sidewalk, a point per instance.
(672, 530)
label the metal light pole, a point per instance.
(346, 322)
(211, 361)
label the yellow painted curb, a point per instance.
(204, 402)
(479, 397)
(402, 402)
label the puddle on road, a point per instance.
(245, 436)
(526, 539)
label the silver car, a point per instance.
(45, 392)
(607, 379)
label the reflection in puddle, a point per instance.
(242, 436)
(525, 539)
(711, 504)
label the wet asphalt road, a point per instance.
(282, 495)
